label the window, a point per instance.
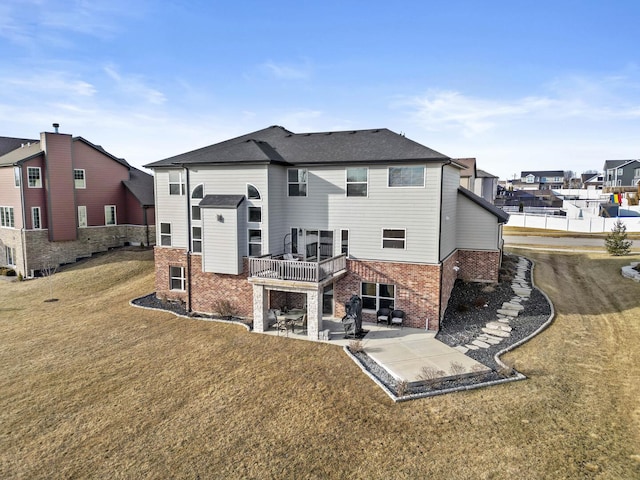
(16, 176)
(636, 173)
(406, 176)
(297, 181)
(357, 182)
(82, 216)
(35, 218)
(377, 295)
(196, 239)
(196, 214)
(165, 234)
(33, 175)
(255, 214)
(198, 192)
(393, 238)
(10, 254)
(255, 242)
(620, 171)
(176, 182)
(176, 278)
(530, 179)
(6, 217)
(78, 178)
(252, 192)
(344, 242)
(110, 215)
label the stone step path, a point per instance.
(498, 330)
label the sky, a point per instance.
(519, 85)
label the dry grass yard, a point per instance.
(94, 388)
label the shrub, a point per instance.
(356, 346)
(616, 242)
(401, 388)
(480, 302)
(507, 370)
(11, 273)
(224, 308)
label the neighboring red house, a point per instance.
(63, 198)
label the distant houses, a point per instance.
(64, 197)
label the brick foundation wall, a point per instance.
(449, 276)
(207, 289)
(417, 289)
(479, 266)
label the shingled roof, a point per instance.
(8, 144)
(278, 145)
(140, 184)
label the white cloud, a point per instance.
(135, 85)
(47, 83)
(287, 72)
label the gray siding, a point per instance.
(478, 229)
(450, 183)
(170, 209)
(415, 209)
(224, 240)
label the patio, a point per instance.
(402, 352)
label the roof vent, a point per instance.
(56, 126)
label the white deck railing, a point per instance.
(267, 267)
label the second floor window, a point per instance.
(176, 182)
(406, 176)
(6, 217)
(16, 176)
(255, 214)
(357, 182)
(255, 243)
(636, 172)
(297, 182)
(33, 175)
(196, 234)
(165, 234)
(78, 178)
(393, 238)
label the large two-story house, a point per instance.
(275, 218)
(542, 179)
(63, 198)
(621, 173)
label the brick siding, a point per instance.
(479, 266)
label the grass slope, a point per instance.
(94, 388)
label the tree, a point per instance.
(616, 242)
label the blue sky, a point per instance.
(517, 84)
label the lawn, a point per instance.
(94, 388)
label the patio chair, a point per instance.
(397, 318)
(272, 319)
(383, 315)
(299, 322)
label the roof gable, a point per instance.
(502, 216)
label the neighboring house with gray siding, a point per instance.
(63, 198)
(621, 173)
(275, 218)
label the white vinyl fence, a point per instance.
(586, 225)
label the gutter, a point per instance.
(448, 162)
(189, 234)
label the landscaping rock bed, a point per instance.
(471, 306)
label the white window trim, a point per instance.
(115, 217)
(249, 207)
(194, 189)
(84, 178)
(249, 242)
(170, 234)
(378, 297)
(10, 256)
(6, 214)
(33, 218)
(306, 194)
(347, 183)
(257, 190)
(396, 239)
(39, 177)
(17, 176)
(194, 239)
(348, 241)
(182, 279)
(181, 181)
(86, 222)
(424, 176)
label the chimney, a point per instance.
(56, 125)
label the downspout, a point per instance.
(448, 162)
(146, 221)
(188, 195)
(23, 232)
